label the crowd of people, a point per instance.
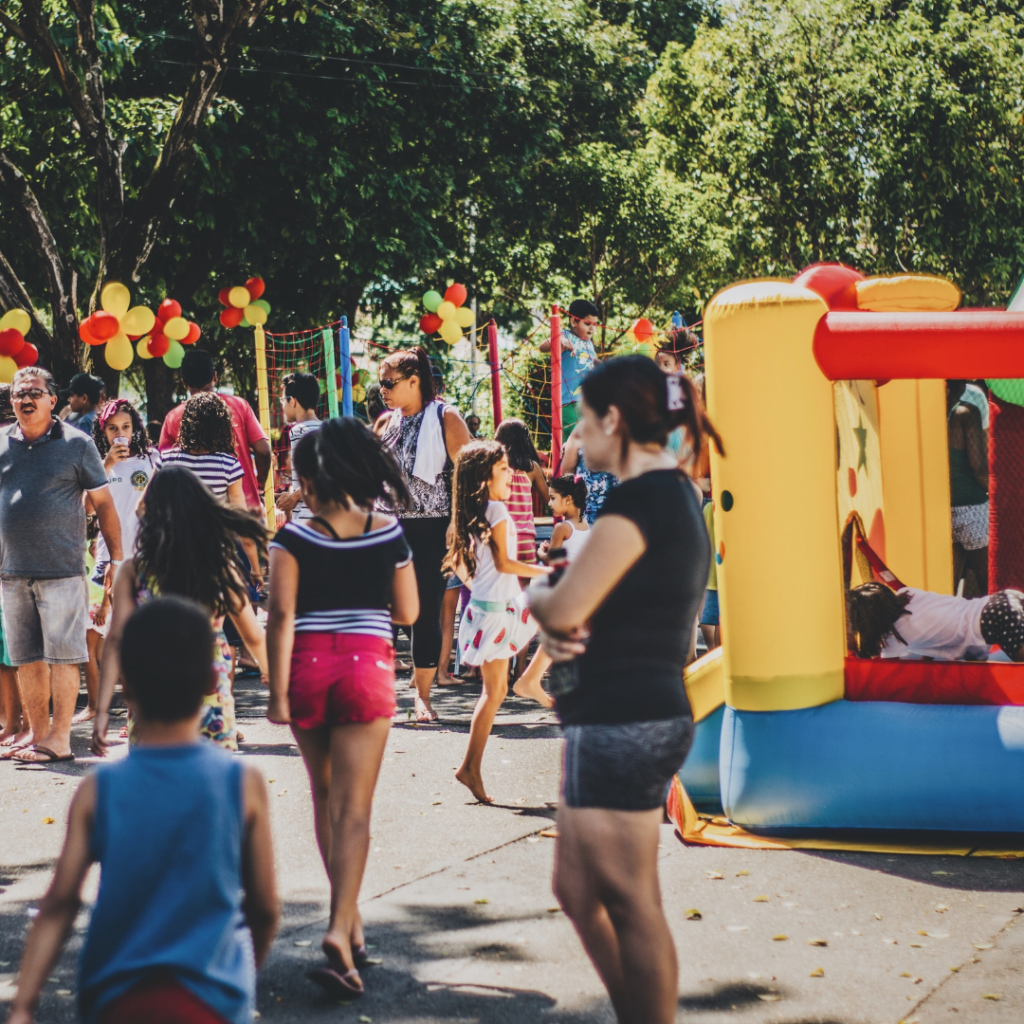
(137, 550)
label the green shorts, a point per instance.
(4, 659)
(569, 420)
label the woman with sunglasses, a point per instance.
(425, 435)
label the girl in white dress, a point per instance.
(496, 624)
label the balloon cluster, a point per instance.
(117, 324)
(243, 304)
(168, 336)
(15, 351)
(446, 315)
(360, 380)
(639, 339)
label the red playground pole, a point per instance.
(492, 357)
(556, 392)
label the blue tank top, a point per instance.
(168, 836)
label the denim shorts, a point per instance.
(709, 616)
(45, 620)
(625, 767)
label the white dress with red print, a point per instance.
(496, 623)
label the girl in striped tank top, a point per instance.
(526, 475)
(340, 579)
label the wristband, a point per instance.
(117, 562)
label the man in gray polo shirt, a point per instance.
(46, 467)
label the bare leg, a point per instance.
(423, 678)
(449, 610)
(710, 634)
(606, 878)
(315, 747)
(356, 754)
(38, 682)
(94, 642)
(495, 689)
(14, 733)
(528, 684)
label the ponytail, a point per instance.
(652, 403)
(411, 361)
(346, 463)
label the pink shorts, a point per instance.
(338, 678)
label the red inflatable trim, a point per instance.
(935, 682)
(920, 346)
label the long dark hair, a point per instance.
(187, 541)
(474, 467)
(872, 611)
(206, 425)
(140, 439)
(345, 462)
(522, 453)
(411, 361)
(639, 390)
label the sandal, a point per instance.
(342, 986)
(49, 757)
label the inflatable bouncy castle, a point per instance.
(829, 391)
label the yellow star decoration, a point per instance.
(862, 444)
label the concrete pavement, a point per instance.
(458, 906)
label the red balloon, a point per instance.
(27, 355)
(430, 323)
(12, 341)
(86, 335)
(643, 329)
(222, 297)
(456, 293)
(167, 310)
(231, 317)
(193, 333)
(103, 325)
(255, 287)
(159, 345)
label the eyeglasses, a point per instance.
(387, 385)
(28, 395)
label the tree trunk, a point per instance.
(160, 388)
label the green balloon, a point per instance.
(432, 300)
(174, 355)
(244, 323)
(264, 305)
(1009, 390)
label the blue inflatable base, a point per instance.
(853, 765)
(699, 775)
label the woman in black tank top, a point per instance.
(619, 624)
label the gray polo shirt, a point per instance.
(42, 517)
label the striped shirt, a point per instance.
(344, 583)
(520, 507)
(217, 470)
(296, 432)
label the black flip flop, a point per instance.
(341, 986)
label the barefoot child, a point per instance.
(568, 500)
(496, 624)
(341, 578)
(176, 824)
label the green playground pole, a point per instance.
(332, 373)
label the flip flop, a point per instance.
(7, 753)
(48, 754)
(360, 956)
(342, 986)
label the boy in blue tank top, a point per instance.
(181, 831)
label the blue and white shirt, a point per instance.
(576, 364)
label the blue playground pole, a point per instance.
(677, 321)
(345, 358)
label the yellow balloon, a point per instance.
(138, 320)
(464, 316)
(358, 393)
(176, 328)
(239, 297)
(119, 352)
(143, 348)
(630, 336)
(255, 314)
(16, 318)
(8, 368)
(450, 331)
(115, 299)
(446, 311)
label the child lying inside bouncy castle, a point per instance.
(911, 623)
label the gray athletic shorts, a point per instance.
(45, 620)
(624, 767)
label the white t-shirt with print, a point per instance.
(127, 480)
(488, 583)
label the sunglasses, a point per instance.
(387, 385)
(28, 395)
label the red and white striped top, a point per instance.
(520, 507)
